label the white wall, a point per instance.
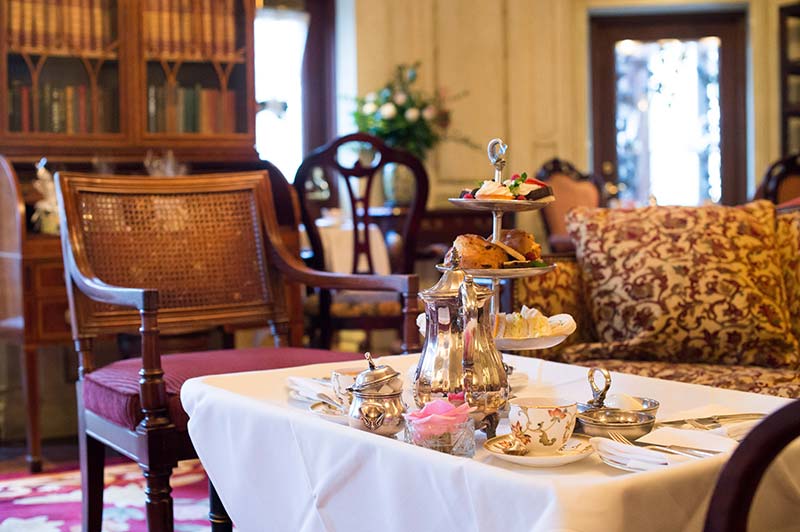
(525, 64)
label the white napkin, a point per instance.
(700, 439)
(308, 388)
(633, 457)
(736, 431)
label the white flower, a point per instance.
(412, 114)
(371, 97)
(400, 98)
(369, 108)
(388, 111)
(429, 113)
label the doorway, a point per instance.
(669, 107)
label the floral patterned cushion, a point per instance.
(557, 292)
(686, 284)
(788, 236)
(782, 382)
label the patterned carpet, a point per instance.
(51, 502)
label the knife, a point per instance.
(719, 418)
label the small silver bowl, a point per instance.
(649, 406)
(629, 423)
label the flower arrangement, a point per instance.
(442, 426)
(404, 117)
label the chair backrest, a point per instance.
(571, 189)
(12, 238)
(344, 159)
(741, 475)
(781, 181)
(200, 241)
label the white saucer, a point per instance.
(574, 450)
(325, 411)
(520, 344)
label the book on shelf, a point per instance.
(63, 109)
(194, 28)
(84, 25)
(193, 109)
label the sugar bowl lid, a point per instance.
(373, 378)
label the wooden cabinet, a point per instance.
(113, 78)
(789, 20)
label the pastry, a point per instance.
(519, 187)
(476, 253)
(522, 242)
(527, 323)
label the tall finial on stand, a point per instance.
(497, 156)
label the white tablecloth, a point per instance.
(279, 467)
(337, 244)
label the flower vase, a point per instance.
(399, 185)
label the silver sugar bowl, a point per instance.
(459, 361)
(377, 404)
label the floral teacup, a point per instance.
(542, 424)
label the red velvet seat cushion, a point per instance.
(112, 392)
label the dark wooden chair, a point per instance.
(164, 254)
(737, 483)
(571, 189)
(359, 178)
(781, 182)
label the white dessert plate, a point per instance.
(521, 344)
(564, 324)
(510, 205)
(503, 273)
(574, 450)
(325, 411)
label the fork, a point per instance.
(671, 449)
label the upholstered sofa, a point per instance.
(706, 295)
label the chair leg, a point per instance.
(30, 386)
(217, 515)
(92, 456)
(158, 501)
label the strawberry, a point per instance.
(469, 195)
(520, 197)
(533, 181)
(515, 177)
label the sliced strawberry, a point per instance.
(533, 181)
(469, 195)
(515, 177)
(520, 197)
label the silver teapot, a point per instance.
(377, 404)
(459, 355)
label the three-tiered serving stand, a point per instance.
(497, 151)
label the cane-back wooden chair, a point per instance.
(331, 312)
(164, 254)
(572, 189)
(740, 477)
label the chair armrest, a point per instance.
(142, 299)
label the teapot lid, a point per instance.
(450, 281)
(374, 377)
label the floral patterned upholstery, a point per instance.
(771, 381)
(788, 237)
(565, 291)
(686, 284)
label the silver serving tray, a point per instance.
(499, 205)
(504, 273)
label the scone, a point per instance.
(523, 242)
(476, 253)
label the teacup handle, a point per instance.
(598, 394)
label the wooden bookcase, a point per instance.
(114, 78)
(789, 20)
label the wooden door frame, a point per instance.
(731, 28)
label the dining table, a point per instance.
(279, 466)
